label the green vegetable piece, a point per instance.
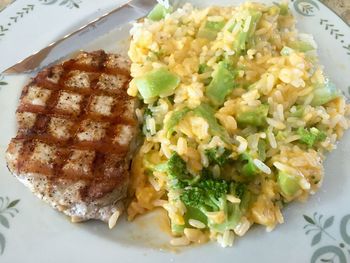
(284, 10)
(246, 200)
(212, 25)
(301, 46)
(234, 212)
(232, 26)
(288, 183)
(177, 229)
(148, 112)
(174, 119)
(262, 150)
(178, 173)
(311, 136)
(208, 196)
(248, 169)
(255, 116)
(244, 36)
(325, 93)
(281, 135)
(221, 85)
(162, 167)
(219, 156)
(159, 82)
(237, 189)
(207, 112)
(299, 113)
(214, 187)
(202, 68)
(206, 33)
(286, 51)
(210, 29)
(158, 12)
(273, 10)
(194, 213)
(233, 216)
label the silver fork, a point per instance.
(132, 10)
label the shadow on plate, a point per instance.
(150, 230)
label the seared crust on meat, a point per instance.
(75, 131)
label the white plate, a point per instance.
(37, 233)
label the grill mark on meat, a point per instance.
(79, 109)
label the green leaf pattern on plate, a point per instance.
(68, 3)
(7, 210)
(337, 251)
(305, 7)
(21, 13)
(2, 81)
(328, 26)
(15, 18)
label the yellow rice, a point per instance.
(279, 80)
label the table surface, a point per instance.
(341, 7)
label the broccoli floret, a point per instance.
(208, 196)
(311, 136)
(214, 188)
(240, 190)
(148, 112)
(237, 189)
(177, 171)
(193, 197)
(176, 166)
(204, 195)
(219, 156)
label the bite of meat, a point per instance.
(76, 130)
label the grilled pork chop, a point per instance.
(75, 134)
